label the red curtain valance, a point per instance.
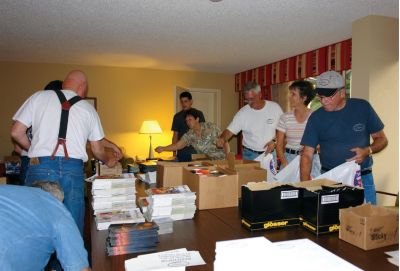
(332, 57)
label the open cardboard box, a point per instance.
(369, 226)
(270, 205)
(213, 191)
(247, 170)
(106, 170)
(171, 173)
(321, 201)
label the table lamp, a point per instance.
(150, 127)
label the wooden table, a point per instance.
(210, 226)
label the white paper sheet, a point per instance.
(394, 257)
(166, 259)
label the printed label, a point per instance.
(334, 227)
(272, 224)
(291, 194)
(328, 199)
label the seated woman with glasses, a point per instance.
(290, 128)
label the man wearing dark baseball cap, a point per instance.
(343, 128)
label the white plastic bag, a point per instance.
(290, 173)
(267, 162)
(348, 173)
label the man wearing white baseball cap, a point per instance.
(343, 128)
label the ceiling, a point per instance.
(201, 35)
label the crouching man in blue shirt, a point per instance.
(343, 128)
(34, 225)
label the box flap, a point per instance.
(368, 210)
(315, 183)
(231, 160)
(258, 186)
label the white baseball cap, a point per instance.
(328, 83)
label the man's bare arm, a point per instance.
(18, 135)
(306, 159)
(224, 137)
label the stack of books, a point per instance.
(165, 223)
(114, 200)
(132, 238)
(176, 202)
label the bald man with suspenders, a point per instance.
(62, 122)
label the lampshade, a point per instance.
(150, 127)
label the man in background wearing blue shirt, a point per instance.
(33, 225)
(342, 127)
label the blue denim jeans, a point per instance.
(69, 174)
(316, 165)
(369, 188)
(24, 169)
(250, 155)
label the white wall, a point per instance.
(375, 68)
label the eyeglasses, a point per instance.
(329, 97)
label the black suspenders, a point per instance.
(62, 132)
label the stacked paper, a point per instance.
(169, 260)
(165, 225)
(261, 254)
(114, 200)
(149, 177)
(104, 220)
(132, 238)
(176, 202)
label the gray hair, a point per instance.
(251, 86)
(51, 187)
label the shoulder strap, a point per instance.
(62, 132)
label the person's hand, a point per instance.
(112, 161)
(361, 154)
(159, 149)
(269, 147)
(117, 153)
(220, 142)
(284, 163)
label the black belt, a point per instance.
(363, 171)
(291, 151)
(259, 152)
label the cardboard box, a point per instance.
(105, 170)
(247, 170)
(213, 191)
(199, 156)
(170, 173)
(3, 180)
(270, 205)
(321, 201)
(369, 226)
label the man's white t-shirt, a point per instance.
(257, 126)
(42, 111)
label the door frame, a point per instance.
(217, 93)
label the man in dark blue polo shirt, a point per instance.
(180, 127)
(342, 127)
